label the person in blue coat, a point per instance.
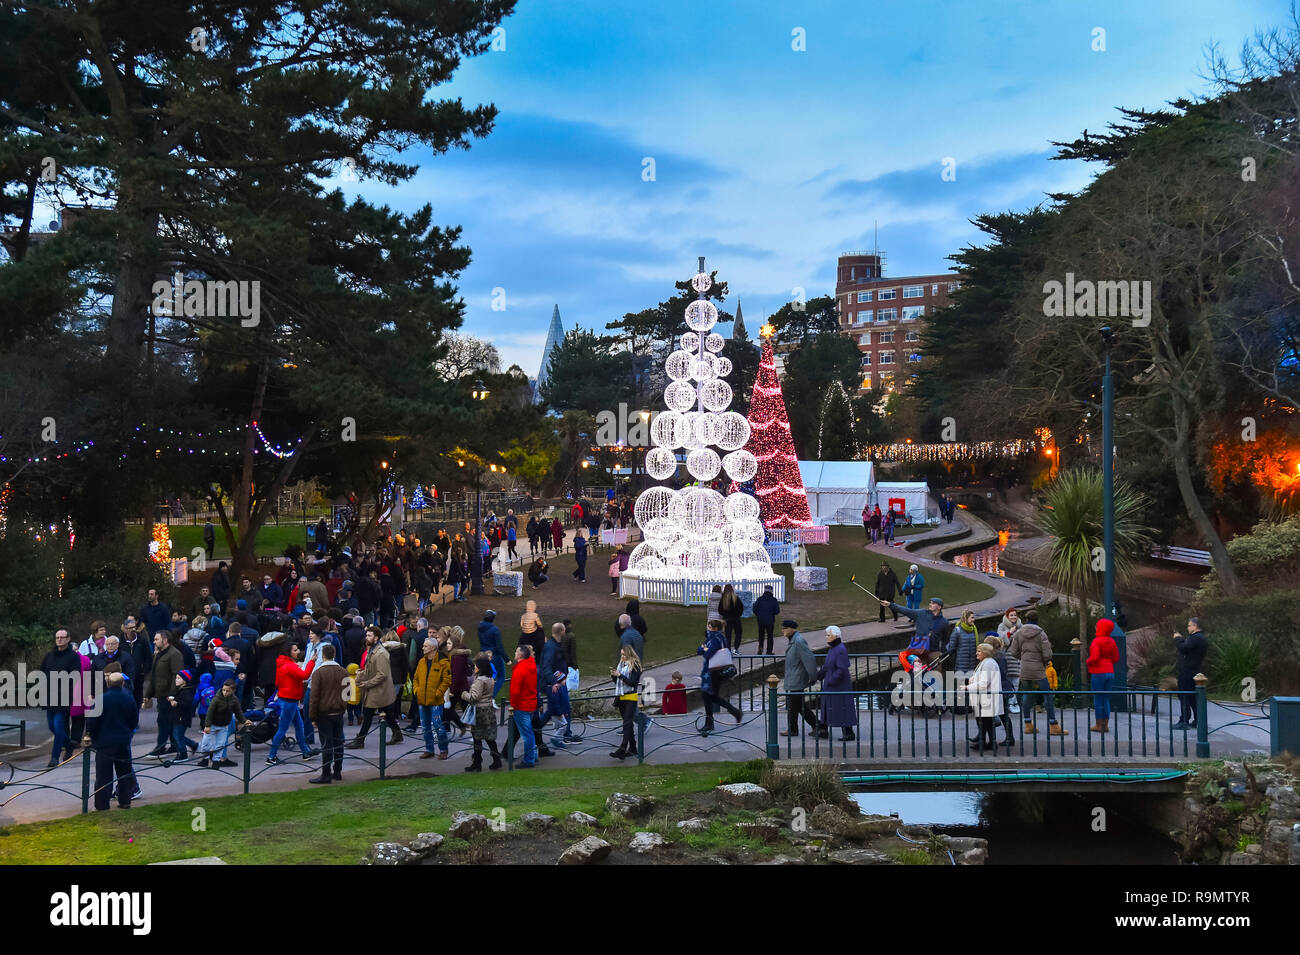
(489, 642)
(766, 609)
(913, 587)
(838, 707)
(110, 735)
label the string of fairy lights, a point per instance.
(165, 440)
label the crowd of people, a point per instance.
(315, 649)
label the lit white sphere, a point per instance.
(724, 367)
(647, 561)
(734, 432)
(701, 315)
(749, 530)
(754, 557)
(716, 394)
(661, 531)
(715, 342)
(741, 507)
(653, 503)
(663, 429)
(697, 510)
(679, 365)
(704, 367)
(703, 464)
(661, 463)
(701, 281)
(708, 428)
(692, 434)
(710, 560)
(680, 396)
(741, 465)
(690, 342)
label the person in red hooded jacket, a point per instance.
(1102, 657)
(289, 680)
(523, 701)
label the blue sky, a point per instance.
(771, 161)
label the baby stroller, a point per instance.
(266, 722)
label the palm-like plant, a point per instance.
(1072, 519)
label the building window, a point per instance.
(886, 338)
(888, 294)
(864, 297)
(866, 359)
(912, 311)
(934, 289)
(864, 316)
(913, 358)
(885, 315)
(913, 291)
(865, 339)
(953, 286)
(886, 358)
(913, 336)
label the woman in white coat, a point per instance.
(984, 693)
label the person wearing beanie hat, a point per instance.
(1103, 654)
(800, 674)
(181, 702)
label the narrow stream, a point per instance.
(986, 558)
(1053, 828)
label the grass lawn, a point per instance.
(675, 632)
(334, 824)
(272, 540)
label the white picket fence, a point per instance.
(779, 552)
(800, 535)
(693, 593)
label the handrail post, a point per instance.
(1076, 651)
(248, 757)
(640, 743)
(85, 780)
(773, 747)
(383, 745)
(1202, 710)
(510, 740)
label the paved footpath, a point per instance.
(883, 741)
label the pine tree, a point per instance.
(779, 486)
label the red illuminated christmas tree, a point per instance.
(778, 485)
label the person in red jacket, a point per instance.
(289, 680)
(1102, 657)
(523, 701)
(674, 696)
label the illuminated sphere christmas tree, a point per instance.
(696, 534)
(779, 486)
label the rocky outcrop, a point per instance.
(589, 850)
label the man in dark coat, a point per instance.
(167, 662)
(221, 586)
(766, 609)
(887, 586)
(1191, 657)
(633, 611)
(489, 642)
(138, 646)
(354, 642)
(63, 659)
(115, 659)
(155, 614)
(110, 733)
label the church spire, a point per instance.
(738, 329)
(554, 335)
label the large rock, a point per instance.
(744, 795)
(964, 843)
(859, 857)
(537, 820)
(1277, 843)
(782, 860)
(390, 853)
(1243, 858)
(426, 843)
(629, 806)
(973, 857)
(582, 819)
(694, 824)
(466, 824)
(644, 842)
(833, 819)
(586, 851)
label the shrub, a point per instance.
(749, 772)
(804, 785)
(1236, 656)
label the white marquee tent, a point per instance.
(915, 496)
(837, 490)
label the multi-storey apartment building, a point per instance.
(885, 315)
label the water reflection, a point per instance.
(1029, 828)
(986, 558)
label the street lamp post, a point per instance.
(1108, 515)
(480, 393)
